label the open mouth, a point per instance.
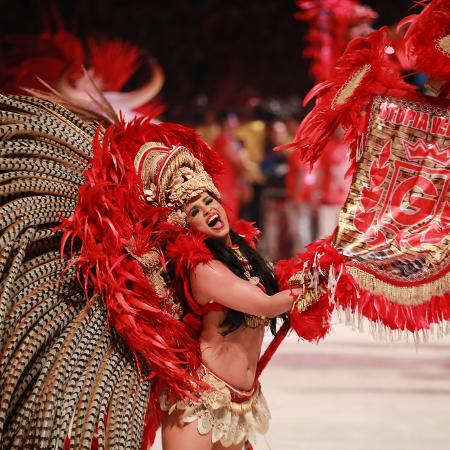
(214, 222)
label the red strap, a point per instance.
(270, 350)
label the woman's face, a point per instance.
(206, 215)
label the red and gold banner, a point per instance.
(389, 258)
(394, 230)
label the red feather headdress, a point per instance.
(115, 223)
(118, 227)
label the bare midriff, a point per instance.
(233, 357)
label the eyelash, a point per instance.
(195, 210)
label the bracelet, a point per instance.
(309, 297)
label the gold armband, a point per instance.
(308, 297)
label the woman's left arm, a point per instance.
(213, 281)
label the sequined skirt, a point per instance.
(231, 415)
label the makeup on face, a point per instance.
(207, 215)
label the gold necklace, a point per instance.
(250, 320)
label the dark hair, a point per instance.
(220, 251)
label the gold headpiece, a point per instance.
(172, 176)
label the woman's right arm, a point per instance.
(215, 282)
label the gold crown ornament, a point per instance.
(171, 177)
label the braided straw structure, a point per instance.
(65, 376)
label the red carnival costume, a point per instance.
(172, 176)
(95, 336)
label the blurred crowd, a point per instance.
(291, 203)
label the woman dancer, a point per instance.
(233, 293)
(171, 308)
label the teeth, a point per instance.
(213, 217)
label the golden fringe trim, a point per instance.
(404, 295)
(215, 412)
(308, 297)
(347, 89)
(382, 333)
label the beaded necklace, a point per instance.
(250, 320)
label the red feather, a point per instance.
(284, 269)
(113, 219)
(332, 23)
(187, 251)
(59, 57)
(422, 36)
(317, 91)
(379, 309)
(47, 56)
(380, 77)
(114, 62)
(313, 324)
(248, 231)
